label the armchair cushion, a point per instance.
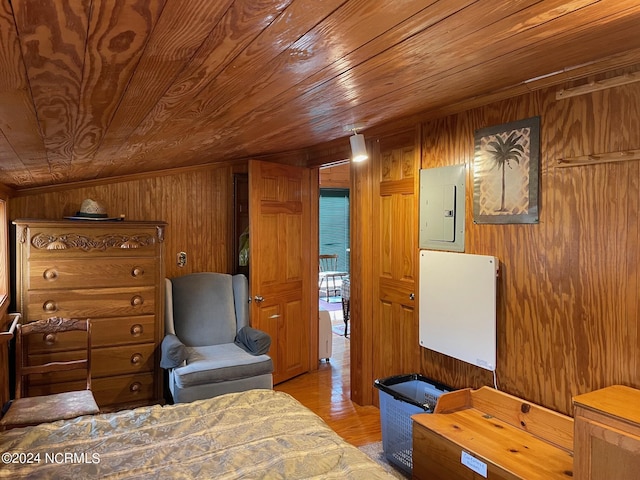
(256, 342)
(204, 309)
(220, 363)
(173, 352)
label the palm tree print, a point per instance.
(504, 152)
(505, 172)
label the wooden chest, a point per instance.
(485, 433)
(112, 273)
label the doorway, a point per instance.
(334, 239)
(333, 213)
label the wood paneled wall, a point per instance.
(337, 176)
(568, 286)
(196, 203)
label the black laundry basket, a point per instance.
(400, 397)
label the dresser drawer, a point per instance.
(59, 274)
(104, 332)
(91, 302)
(73, 240)
(125, 389)
(107, 391)
(130, 359)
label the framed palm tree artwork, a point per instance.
(505, 172)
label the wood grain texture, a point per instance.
(335, 177)
(94, 89)
(567, 320)
(5, 337)
(362, 283)
(509, 453)
(567, 294)
(394, 231)
(178, 42)
(123, 294)
(53, 37)
(197, 205)
(6, 332)
(607, 434)
(22, 154)
(279, 226)
(327, 391)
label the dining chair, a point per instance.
(24, 410)
(328, 275)
(329, 262)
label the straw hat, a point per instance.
(92, 209)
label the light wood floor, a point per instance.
(326, 392)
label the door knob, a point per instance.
(412, 296)
(258, 298)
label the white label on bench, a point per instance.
(474, 464)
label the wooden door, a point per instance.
(279, 235)
(395, 196)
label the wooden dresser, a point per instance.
(112, 273)
(607, 434)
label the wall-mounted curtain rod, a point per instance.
(594, 86)
(592, 159)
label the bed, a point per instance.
(254, 434)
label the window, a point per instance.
(334, 224)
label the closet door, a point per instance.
(395, 237)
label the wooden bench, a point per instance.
(485, 433)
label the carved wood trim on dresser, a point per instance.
(112, 273)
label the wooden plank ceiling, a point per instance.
(100, 88)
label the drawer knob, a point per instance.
(49, 338)
(137, 271)
(49, 306)
(135, 387)
(136, 358)
(50, 274)
(136, 330)
(137, 300)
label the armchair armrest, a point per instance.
(256, 342)
(173, 352)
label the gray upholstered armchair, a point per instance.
(209, 348)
